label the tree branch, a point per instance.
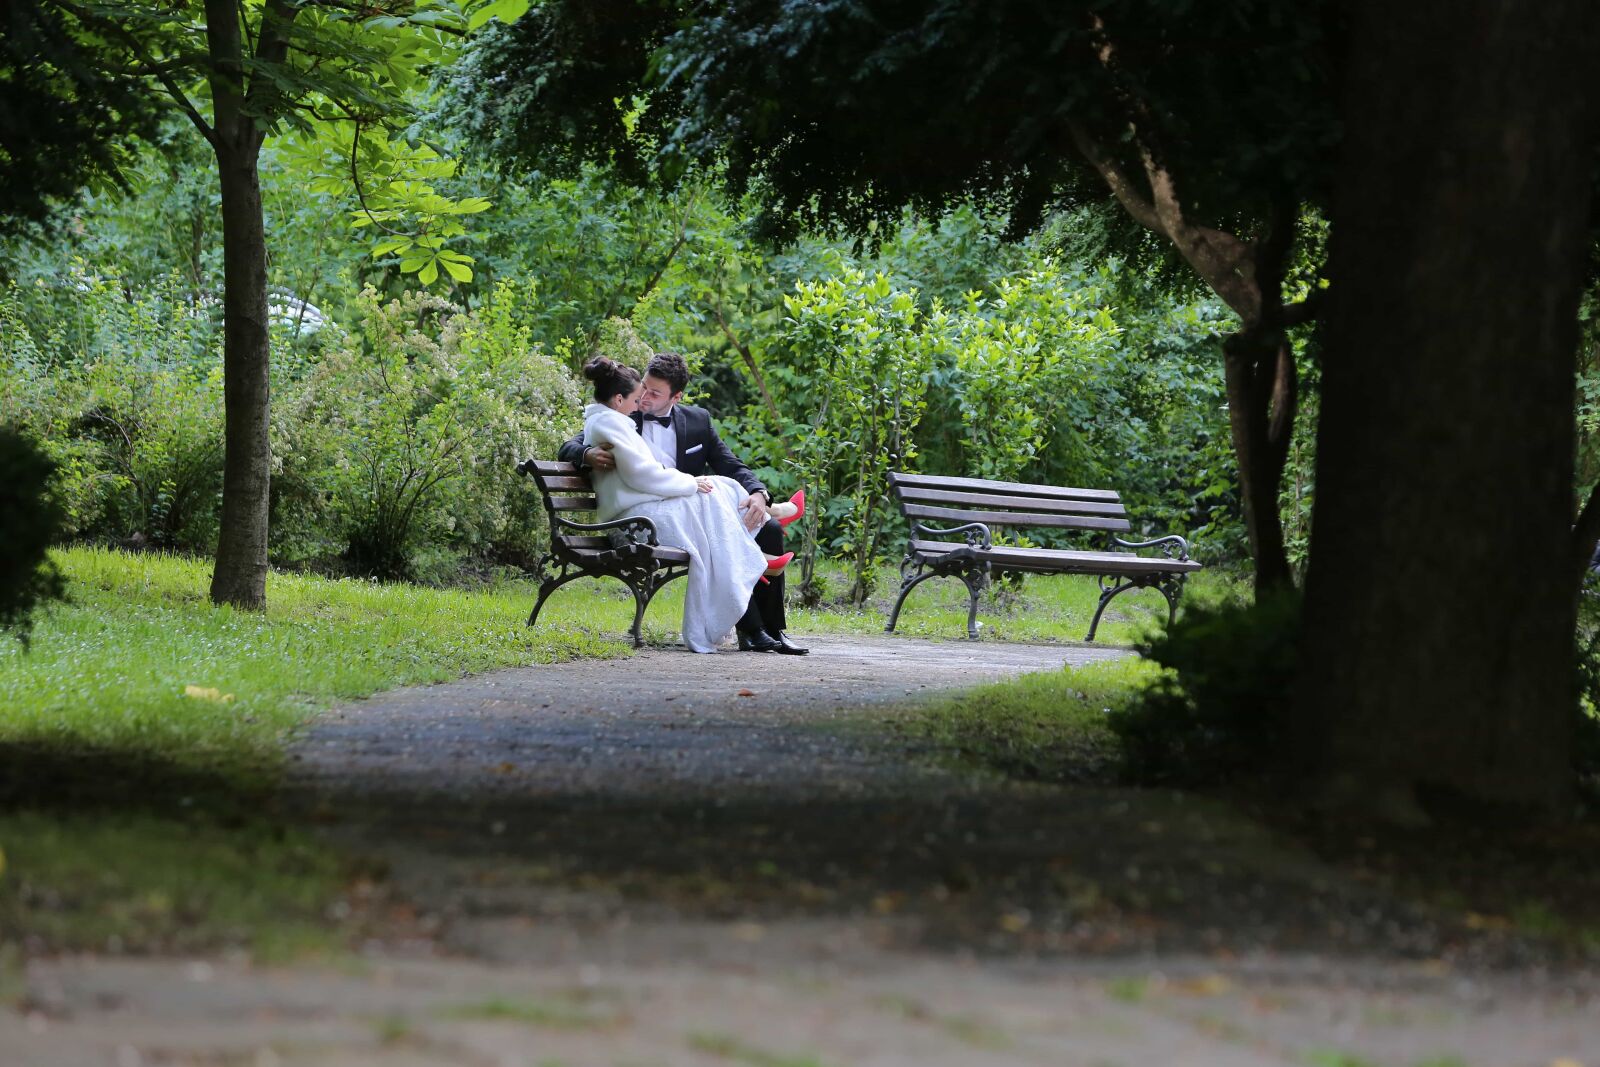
(161, 72)
(272, 46)
(1132, 200)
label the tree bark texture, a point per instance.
(240, 574)
(1439, 629)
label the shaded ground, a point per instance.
(683, 859)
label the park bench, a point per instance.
(969, 509)
(624, 548)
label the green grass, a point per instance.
(1047, 608)
(574, 1011)
(141, 663)
(132, 882)
(142, 729)
(1047, 726)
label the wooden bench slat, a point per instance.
(552, 466)
(956, 517)
(1054, 492)
(564, 481)
(573, 503)
(1063, 560)
(1013, 503)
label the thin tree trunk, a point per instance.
(240, 575)
(1260, 379)
(1438, 634)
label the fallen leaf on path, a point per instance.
(1209, 985)
(747, 692)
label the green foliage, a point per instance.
(618, 341)
(867, 362)
(120, 391)
(112, 671)
(1050, 726)
(820, 106)
(67, 121)
(30, 519)
(420, 419)
(1221, 707)
(395, 439)
(1028, 362)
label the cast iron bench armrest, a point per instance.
(626, 520)
(1170, 539)
(984, 541)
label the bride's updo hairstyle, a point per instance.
(610, 378)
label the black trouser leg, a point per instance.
(766, 601)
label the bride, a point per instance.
(699, 515)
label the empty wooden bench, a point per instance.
(624, 548)
(968, 509)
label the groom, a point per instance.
(682, 438)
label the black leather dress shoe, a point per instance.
(787, 647)
(759, 641)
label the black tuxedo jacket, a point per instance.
(699, 449)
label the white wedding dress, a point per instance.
(724, 562)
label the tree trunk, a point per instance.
(1439, 608)
(240, 577)
(1259, 374)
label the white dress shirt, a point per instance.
(663, 441)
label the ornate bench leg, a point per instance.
(1107, 594)
(977, 580)
(911, 576)
(641, 601)
(551, 580)
(1171, 587)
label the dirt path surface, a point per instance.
(745, 860)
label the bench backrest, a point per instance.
(565, 489)
(947, 501)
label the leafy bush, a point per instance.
(124, 392)
(868, 362)
(1221, 706)
(30, 519)
(1029, 364)
(417, 423)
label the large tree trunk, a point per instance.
(240, 576)
(1439, 607)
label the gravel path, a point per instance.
(741, 859)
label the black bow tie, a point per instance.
(665, 420)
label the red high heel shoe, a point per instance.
(799, 502)
(775, 565)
